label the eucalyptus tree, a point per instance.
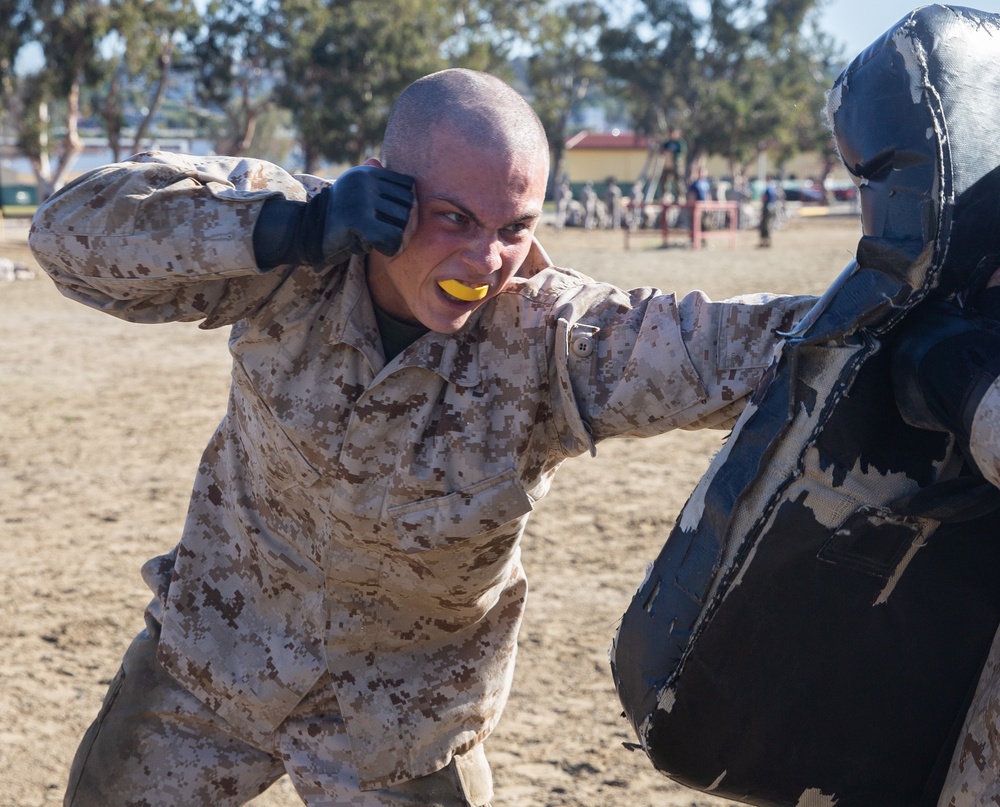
(15, 24)
(343, 64)
(733, 74)
(144, 37)
(69, 34)
(807, 76)
(652, 59)
(234, 55)
(564, 63)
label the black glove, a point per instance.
(944, 359)
(367, 208)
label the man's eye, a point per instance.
(457, 218)
(517, 229)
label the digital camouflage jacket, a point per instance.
(362, 517)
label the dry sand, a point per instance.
(103, 422)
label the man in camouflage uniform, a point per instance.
(344, 602)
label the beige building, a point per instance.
(595, 156)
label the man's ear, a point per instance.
(373, 161)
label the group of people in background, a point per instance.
(591, 212)
(608, 208)
(614, 210)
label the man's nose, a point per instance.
(484, 254)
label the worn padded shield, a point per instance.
(815, 624)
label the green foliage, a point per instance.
(70, 32)
(563, 65)
(15, 23)
(344, 69)
(344, 65)
(232, 54)
(147, 34)
(736, 75)
(744, 76)
(33, 128)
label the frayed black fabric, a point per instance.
(817, 619)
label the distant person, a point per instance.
(613, 202)
(769, 200)
(589, 200)
(564, 199)
(700, 190)
(637, 205)
(740, 194)
(674, 151)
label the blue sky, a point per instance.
(856, 23)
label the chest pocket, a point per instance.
(477, 511)
(272, 460)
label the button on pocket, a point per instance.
(582, 346)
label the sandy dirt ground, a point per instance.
(101, 427)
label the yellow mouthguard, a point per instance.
(463, 292)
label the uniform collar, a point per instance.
(454, 357)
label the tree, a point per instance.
(652, 60)
(231, 53)
(807, 128)
(341, 71)
(69, 33)
(563, 65)
(15, 24)
(146, 34)
(743, 74)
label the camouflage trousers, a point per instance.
(974, 776)
(156, 745)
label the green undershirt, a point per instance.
(396, 334)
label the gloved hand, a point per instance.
(367, 208)
(944, 358)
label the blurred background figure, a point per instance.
(613, 200)
(768, 205)
(564, 197)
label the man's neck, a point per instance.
(396, 334)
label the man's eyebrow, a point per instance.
(474, 218)
(532, 214)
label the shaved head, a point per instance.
(481, 109)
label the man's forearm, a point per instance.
(167, 237)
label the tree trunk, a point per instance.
(558, 168)
(41, 164)
(558, 144)
(309, 159)
(72, 146)
(111, 113)
(163, 77)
